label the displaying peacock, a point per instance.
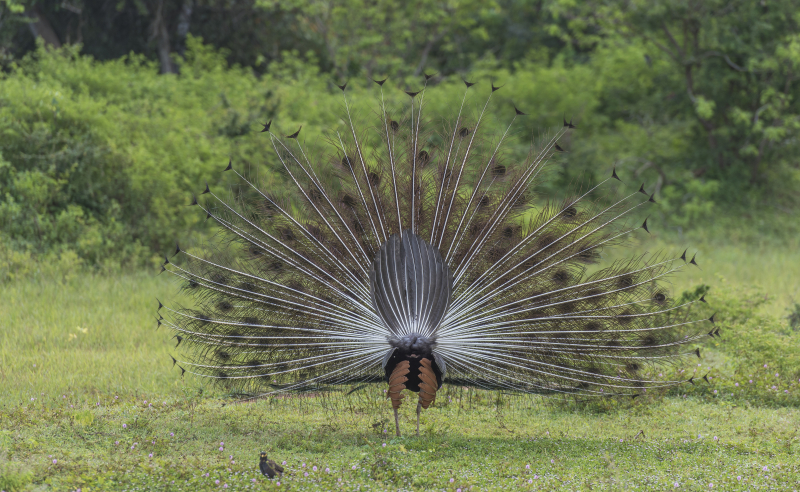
(428, 260)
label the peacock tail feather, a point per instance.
(429, 252)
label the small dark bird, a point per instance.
(268, 467)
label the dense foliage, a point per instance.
(100, 153)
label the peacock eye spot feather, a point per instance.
(660, 297)
(649, 341)
(224, 306)
(394, 126)
(315, 195)
(625, 317)
(348, 200)
(423, 157)
(374, 178)
(223, 355)
(499, 170)
(315, 231)
(286, 234)
(295, 286)
(476, 228)
(569, 213)
(495, 254)
(247, 287)
(545, 242)
(561, 276)
(463, 132)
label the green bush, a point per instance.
(100, 159)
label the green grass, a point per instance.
(71, 343)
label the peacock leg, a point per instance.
(396, 423)
(419, 409)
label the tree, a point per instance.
(735, 66)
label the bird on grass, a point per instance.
(415, 257)
(268, 467)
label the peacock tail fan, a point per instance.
(413, 241)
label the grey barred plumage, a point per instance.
(434, 259)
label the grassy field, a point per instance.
(89, 400)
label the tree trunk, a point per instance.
(184, 19)
(162, 37)
(41, 27)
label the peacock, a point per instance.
(416, 255)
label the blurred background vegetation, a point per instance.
(112, 113)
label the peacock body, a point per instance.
(422, 264)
